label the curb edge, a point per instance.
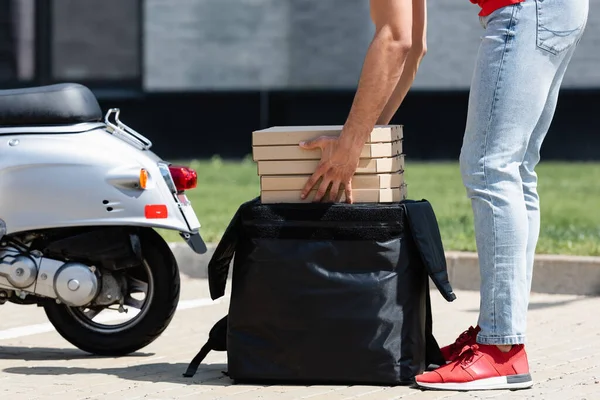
(552, 274)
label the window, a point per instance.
(96, 43)
(17, 37)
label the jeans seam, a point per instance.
(485, 151)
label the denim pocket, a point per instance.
(560, 23)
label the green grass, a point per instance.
(570, 202)
(222, 187)
(569, 197)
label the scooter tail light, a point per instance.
(185, 178)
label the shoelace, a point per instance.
(467, 353)
(463, 338)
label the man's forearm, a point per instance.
(381, 73)
(417, 52)
(404, 84)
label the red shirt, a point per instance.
(489, 6)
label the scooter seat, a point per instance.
(59, 104)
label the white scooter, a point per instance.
(79, 200)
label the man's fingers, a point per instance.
(333, 193)
(313, 144)
(322, 189)
(339, 196)
(348, 189)
(310, 184)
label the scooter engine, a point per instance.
(19, 270)
(75, 284)
(72, 283)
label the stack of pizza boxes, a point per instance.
(284, 167)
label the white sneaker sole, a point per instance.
(512, 382)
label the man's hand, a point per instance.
(382, 76)
(337, 167)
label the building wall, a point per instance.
(306, 44)
(215, 70)
(254, 44)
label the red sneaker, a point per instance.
(481, 367)
(467, 338)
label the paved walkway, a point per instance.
(36, 363)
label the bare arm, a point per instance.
(413, 61)
(380, 75)
(382, 69)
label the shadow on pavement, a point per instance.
(49, 354)
(207, 375)
(159, 372)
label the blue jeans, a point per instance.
(522, 59)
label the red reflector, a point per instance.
(184, 178)
(156, 211)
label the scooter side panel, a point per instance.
(61, 180)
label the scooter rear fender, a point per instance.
(88, 178)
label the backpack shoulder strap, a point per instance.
(218, 266)
(426, 235)
(193, 367)
(217, 341)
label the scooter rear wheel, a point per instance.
(158, 276)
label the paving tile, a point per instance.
(563, 348)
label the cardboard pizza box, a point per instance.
(295, 152)
(366, 181)
(359, 196)
(308, 167)
(293, 135)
